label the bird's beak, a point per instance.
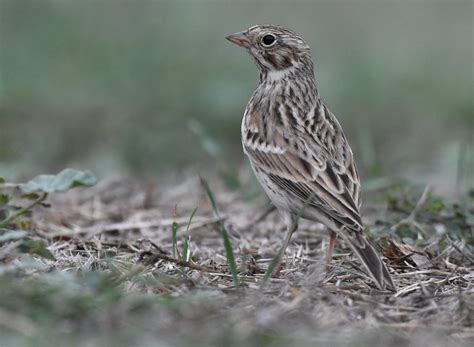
(240, 39)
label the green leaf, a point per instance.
(36, 247)
(470, 194)
(435, 205)
(409, 205)
(4, 199)
(61, 182)
(12, 235)
(2, 180)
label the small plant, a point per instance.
(186, 254)
(35, 191)
(417, 213)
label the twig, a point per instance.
(189, 264)
(432, 272)
(346, 290)
(453, 244)
(410, 288)
(9, 185)
(443, 282)
(421, 284)
(99, 229)
(421, 202)
(417, 326)
(410, 220)
(434, 218)
(264, 215)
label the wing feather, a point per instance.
(303, 165)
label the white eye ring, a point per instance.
(268, 40)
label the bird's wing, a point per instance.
(305, 163)
(313, 163)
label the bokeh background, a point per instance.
(153, 87)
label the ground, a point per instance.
(119, 278)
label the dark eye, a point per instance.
(268, 40)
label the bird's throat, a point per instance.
(278, 75)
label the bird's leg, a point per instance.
(332, 242)
(291, 228)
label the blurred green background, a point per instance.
(153, 86)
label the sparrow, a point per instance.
(297, 148)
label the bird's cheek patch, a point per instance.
(273, 60)
(293, 57)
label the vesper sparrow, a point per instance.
(296, 146)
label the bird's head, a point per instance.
(274, 48)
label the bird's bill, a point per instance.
(240, 39)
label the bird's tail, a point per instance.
(372, 262)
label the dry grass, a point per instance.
(125, 229)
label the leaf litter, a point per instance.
(168, 244)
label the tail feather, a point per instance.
(372, 262)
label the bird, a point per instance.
(297, 148)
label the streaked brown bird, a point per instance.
(298, 149)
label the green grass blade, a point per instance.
(271, 267)
(225, 235)
(191, 219)
(210, 195)
(174, 228)
(185, 255)
(230, 254)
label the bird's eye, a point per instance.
(268, 40)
